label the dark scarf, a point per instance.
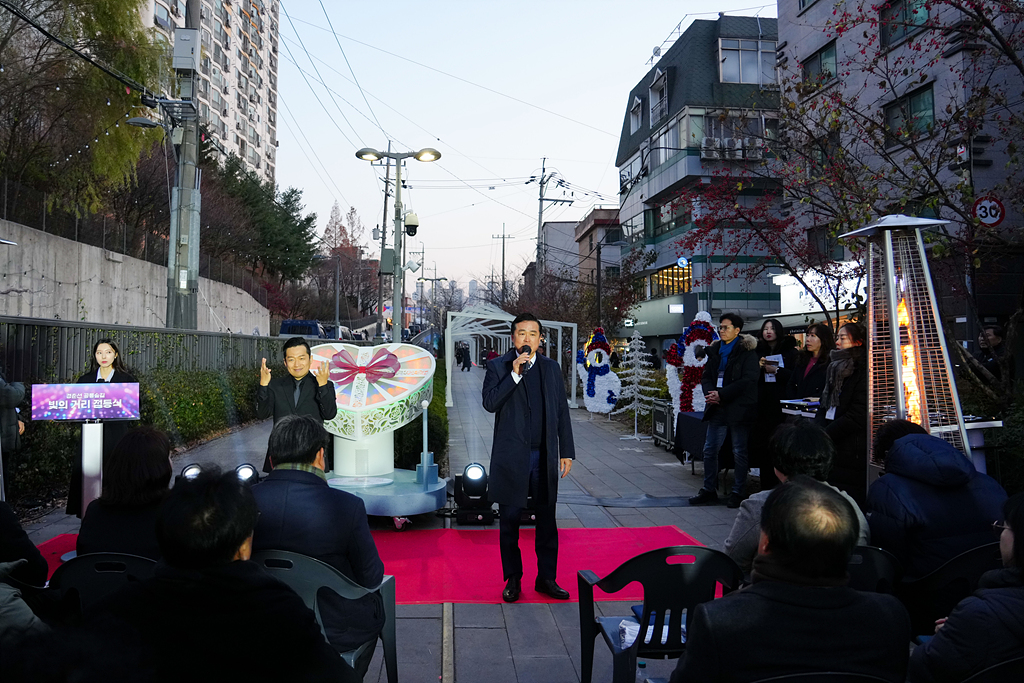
(766, 568)
(843, 362)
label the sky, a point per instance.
(494, 86)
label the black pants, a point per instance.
(546, 541)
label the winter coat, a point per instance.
(813, 384)
(11, 395)
(985, 629)
(849, 431)
(931, 504)
(769, 410)
(738, 392)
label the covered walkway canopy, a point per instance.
(486, 322)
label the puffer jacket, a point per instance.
(985, 629)
(931, 504)
(738, 392)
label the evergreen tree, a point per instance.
(637, 375)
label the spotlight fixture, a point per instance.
(471, 504)
(191, 471)
(247, 474)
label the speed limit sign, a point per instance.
(989, 211)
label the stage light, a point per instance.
(247, 474)
(471, 504)
(191, 471)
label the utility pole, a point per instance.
(423, 264)
(503, 237)
(378, 337)
(183, 254)
(541, 250)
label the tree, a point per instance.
(637, 378)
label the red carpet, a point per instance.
(455, 565)
(54, 548)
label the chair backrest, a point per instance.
(936, 594)
(671, 588)
(97, 575)
(1012, 670)
(824, 677)
(874, 569)
(306, 576)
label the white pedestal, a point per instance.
(92, 462)
(372, 457)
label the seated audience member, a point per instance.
(931, 504)
(135, 480)
(208, 613)
(799, 448)
(987, 628)
(798, 616)
(15, 545)
(17, 620)
(300, 513)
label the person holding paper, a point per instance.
(776, 357)
(106, 366)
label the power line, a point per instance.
(349, 67)
(303, 150)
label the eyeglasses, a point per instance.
(1000, 527)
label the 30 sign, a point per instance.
(989, 211)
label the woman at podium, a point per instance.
(106, 366)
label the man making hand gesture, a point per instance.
(301, 392)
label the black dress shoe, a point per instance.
(549, 587)
(512, 589)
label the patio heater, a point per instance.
(909, 373)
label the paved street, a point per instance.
(521, 642)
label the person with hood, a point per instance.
(930, 504)
(775, 345)
(986, 628)
(729, 382)
(843, 410)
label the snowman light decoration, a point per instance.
(684, 370)
(602, 386)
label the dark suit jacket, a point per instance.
(738, 392)
(277, 399)
(119, 529)
(238, 623)
(509, 478)
(813, 384)
(300, 513)
(15, 545)
(773, 628)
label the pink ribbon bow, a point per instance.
(383, 365)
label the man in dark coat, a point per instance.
(11, 428)
(301, 393)
(300, 513)
(729, 382)
(798, 616)
(207, 606)
(532, 444)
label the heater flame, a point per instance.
(911, 390)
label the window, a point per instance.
(628, 173)
(590, 242)
(659, 97)
(900, 18)
(669, 217)
(612, 235)
(665, 145)
(612, 271)
(633, 229)
(747, 61)
(636, 114)
(161, 17)
(911, 115)
(821, 66)
(806, 3)
(670, 281)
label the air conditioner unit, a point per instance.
(227, 20)
(224, 112)
(174, 10)
(258, 144)
(252, 97)
(709, 148)
(227, 43)
(238, 125)
(752, 148)
(733, 148)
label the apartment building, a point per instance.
(237, 74)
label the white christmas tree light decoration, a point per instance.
(637, 376)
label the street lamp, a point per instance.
(426, 154)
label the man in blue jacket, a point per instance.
(301, 513)
(532, 444)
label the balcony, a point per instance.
(659, 110)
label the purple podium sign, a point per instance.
(81, 402)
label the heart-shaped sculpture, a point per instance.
(378, 388)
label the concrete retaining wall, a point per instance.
(50, 277)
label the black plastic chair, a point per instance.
(935, 595)
(669, 589)
(824, 677)
(91, 578)
(1012, 670)
(307, 575)
(874, 570)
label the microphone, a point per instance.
(524, 368)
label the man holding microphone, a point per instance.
(532, 444)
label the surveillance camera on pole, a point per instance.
(412, 222)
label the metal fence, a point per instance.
(36, 350)
(27, 206)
